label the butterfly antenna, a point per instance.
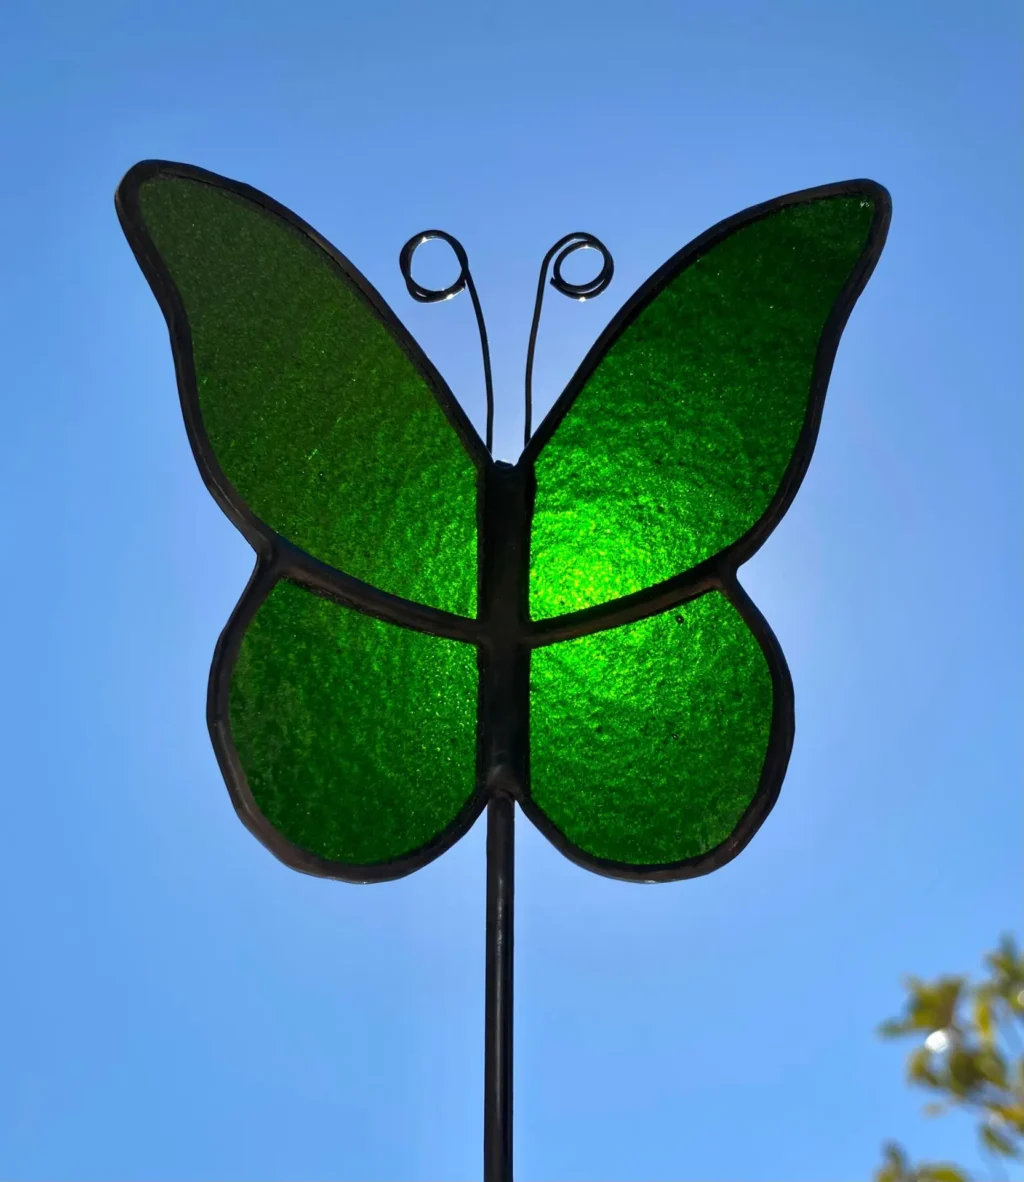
(575, 291)
(430, 295)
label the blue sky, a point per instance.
(180, 1006)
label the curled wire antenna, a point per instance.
(430, 295)
(563, 248)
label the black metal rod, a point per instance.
(501, 877)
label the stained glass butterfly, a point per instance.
(425, 625)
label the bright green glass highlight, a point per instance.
(679, 440)
(314, 411)
(647, 741)
(357, 737)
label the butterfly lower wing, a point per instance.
(313, 415)
(685, 433)
(658, 747)
(348, 743)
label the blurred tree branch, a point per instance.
(970, 1056)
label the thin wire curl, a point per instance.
(560, 252)
(563, 248)
(431, 295)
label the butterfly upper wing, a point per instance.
(348, 742)
(657, 747)
(312, 413)
(679, 436)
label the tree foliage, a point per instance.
(970, 1055)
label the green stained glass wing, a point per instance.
(661, 742)
(688, 428)
(311, 411)
(349, 744)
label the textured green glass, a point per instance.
(647, 741)
(314, 411)
(679, 440)
(357, 738)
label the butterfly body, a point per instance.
(504, 656)
(427, 627)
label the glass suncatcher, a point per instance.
(429, 631)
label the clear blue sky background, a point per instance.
(176, 1004)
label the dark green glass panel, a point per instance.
(358, 738)
(314, 411)
(679, 440)
(647, 741)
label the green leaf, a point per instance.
(941, 1173)
(998, 1142)
(984, 1018)
(1010, 1114)
(937, 1004)
(919, 1068)
(1007, 967)
(991, 1066)
(928, 1007)
(963, 1070)
(895, 1168)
